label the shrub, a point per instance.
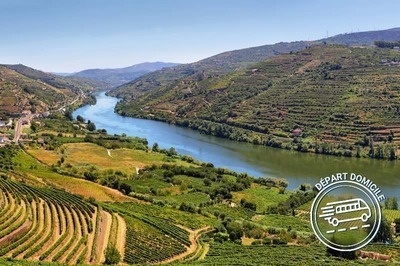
(113, 256)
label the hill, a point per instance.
(118, 76)
(206, 68)
(233, 60)
(365, 38)
(19, 92)
(73, 83)
(327, 99)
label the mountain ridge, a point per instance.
(55, 80)
(118, 76)
(240, 58)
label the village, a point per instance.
(17, 128)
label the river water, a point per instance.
(258, 161)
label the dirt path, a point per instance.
(121, 235)
(103, 235)
(194, 235)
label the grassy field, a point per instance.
(125, 160)
(26, 165)
(284, 221)
(261, 196)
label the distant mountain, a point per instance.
(211, 67)
(364, 38)
(118, 76)
(62, 74)
(73, 83)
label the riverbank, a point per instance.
(257, 160)
(294, 141)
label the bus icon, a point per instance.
(345, 211)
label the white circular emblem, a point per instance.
(346, 215)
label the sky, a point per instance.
(72, 35)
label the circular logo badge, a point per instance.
(345, 215)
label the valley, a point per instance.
(206, 163)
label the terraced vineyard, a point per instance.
(391, 215)
(233, 254)
(150, 239)
(47, 225)
(326, 99)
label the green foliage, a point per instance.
(391, 203)
(80, 119)
(385, 232)
(228, 253)
(6, 155)
(91, 126)
(117, 142)
(113, 257)
(387, 44)
(234, 230)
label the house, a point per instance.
(3, 125)
(397, 48)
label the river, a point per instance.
(258, 161)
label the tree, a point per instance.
(125, 188)
(385, 232)
(207, 182)
(68, 114)
(33, 126)
(91, 126)
(391, 204)
(397, 227)
(80, 119)
(155, 147)
(113, 257)
(172, 152)
(235, 230)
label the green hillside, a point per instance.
(19, 93)
(73, 83)
(238, 59)
(206, 68)
(327, 99)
